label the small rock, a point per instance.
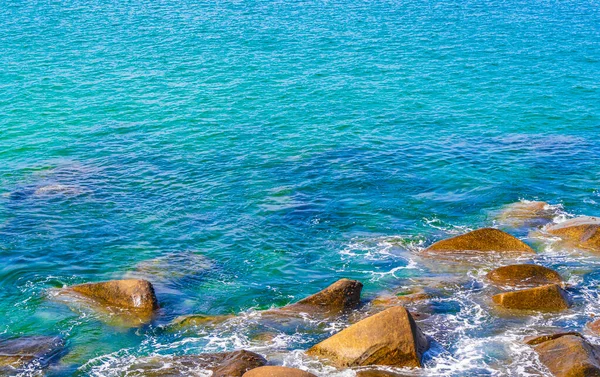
(526, 213)
(569, 356)
(389, 338)
(129, 298)
(547, 298)
(523, 275)
(481, 240)
(582, 232)
(226, 364)
(273, 371)
(21, 353)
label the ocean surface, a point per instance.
(242, 155)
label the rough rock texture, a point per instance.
(526, 213)
(486, 239)
(569, 356)
(226, 364)
(522, 275)
(547, 298)
(388, 338)
(18, 353)
(581, 232)
(272, 371)
(339, 297)
(130, 294)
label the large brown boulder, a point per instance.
(225, 364)
(388, 338)
(569, 356)
(28, 352)
(133, 301)
(526, 213)
(523, 275)
(486, 240)
(581, 232)
(547, 298)
(273, 371)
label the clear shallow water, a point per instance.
(288, 144)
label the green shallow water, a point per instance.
(286, 145)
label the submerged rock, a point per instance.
(28, 353)
(581, 232)
(273, 371)
(401, 297)
(172, 267)
(57, 189)
(481, 240)
(226, 364)
(522, 275)
(389, 338)
(594, 327)
(569, 356)
(132, 299)
(526, 213)
(547, 298)
(197, 320)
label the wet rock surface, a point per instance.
(131, 302)
(547, 298)
(388, 338)
(581, 232)
(481, 240)
(524, 275)
(569, 356)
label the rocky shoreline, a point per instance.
(386, 335)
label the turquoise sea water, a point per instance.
(285, 145)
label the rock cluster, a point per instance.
(388, 338)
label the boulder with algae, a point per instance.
(389, 338)
(547, 298)
(481, 240)
(567, 355)
(524, 275)
(225, 364)
(275, 371)
(132, 301)
(581, 232)
(28, 353)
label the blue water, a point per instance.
(285, 145)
